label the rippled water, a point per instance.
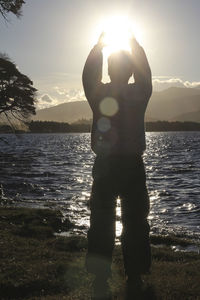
(54, 170)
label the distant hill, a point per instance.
(173, 104)
(189, 117)
(66, 112)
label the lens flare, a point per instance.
(109, 106)
(103, 124)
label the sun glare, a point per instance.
(118, 32)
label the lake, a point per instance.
(54, 171)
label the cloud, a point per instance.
(60, 91)
(59, 95)
(70, 95)
(46, 98)
(161, 84)
(45, 101)
(195, 84)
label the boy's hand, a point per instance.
(101, 40)
(133, 43)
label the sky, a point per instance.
(52, 39)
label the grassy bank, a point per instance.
(36, 264)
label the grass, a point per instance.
(36, 264)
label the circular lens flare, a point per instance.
(109, 106)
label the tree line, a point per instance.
(57, 127)
(49, 126)
(172, 126)
(61, 127)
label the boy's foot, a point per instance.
(134, 288)
(101, 290)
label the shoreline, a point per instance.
(37, 264)
(89, 132)
(179, 242)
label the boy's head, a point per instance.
(120, 66)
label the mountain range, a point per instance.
(172, 104)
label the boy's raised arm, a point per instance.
(141, 69)
(92, 72)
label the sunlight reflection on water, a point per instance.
(54, 170)
(118, 219)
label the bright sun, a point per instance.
(118, 31)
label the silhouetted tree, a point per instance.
(11, 6)
(17, 94)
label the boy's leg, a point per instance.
(135, 235)
(101, 235)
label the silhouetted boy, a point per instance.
(118, 140)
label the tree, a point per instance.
(13, 6)
(17, 94)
